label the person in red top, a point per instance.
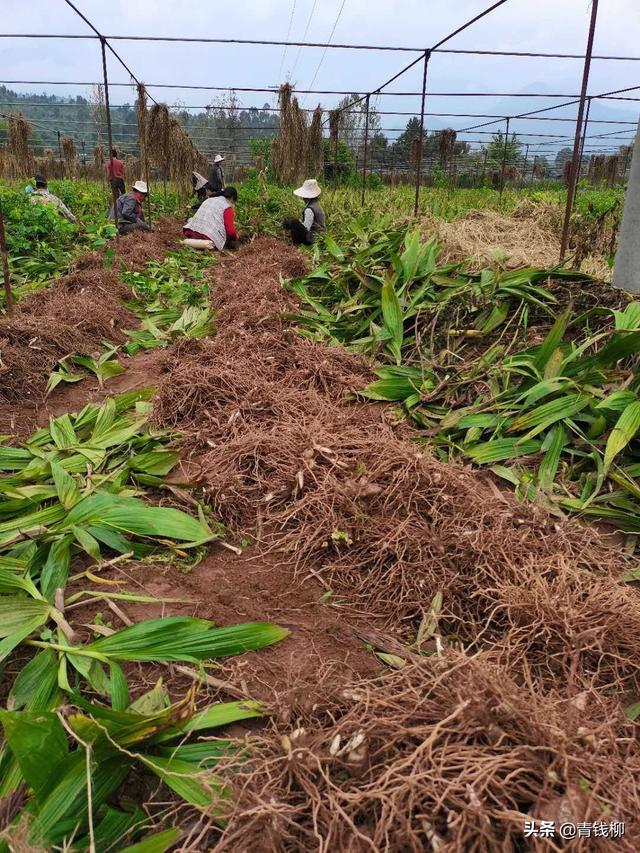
(215, 221)
(115, 172)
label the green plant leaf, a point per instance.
(622, 434)
(181, 638)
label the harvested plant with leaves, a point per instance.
(72, 496)
(496, 367)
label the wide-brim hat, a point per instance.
(201, 181)
(141, 187)
(218, 158)
(309, 189)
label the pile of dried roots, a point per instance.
(519, 712)
(73, 316)
(447, 754)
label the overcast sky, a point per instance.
(546, 25)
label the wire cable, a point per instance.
(324, 52)
(286, 47)
(304, 36)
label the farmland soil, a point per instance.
(509, 701)
(336, 489)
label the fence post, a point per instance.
(573, 171)
(60, 152)
(504, 160)
(524, 165)
(484, 166)
(366, 149)
(5, 265)
(626, 273)
(425, 68)
(114, 195)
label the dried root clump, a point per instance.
(448, 754)
(29, 349)
(86, 301)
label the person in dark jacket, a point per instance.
(313, 218)
(130, 212)
(216, 174)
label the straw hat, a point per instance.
(141, 187)
(309, 189)
(218, 158)
(201, 181)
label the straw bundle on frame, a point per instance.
(70, 157)
(288, 156)
(446, 148)
(315, 162)
(142, 118)
(183, 155)
(18, 133)
(158, 136)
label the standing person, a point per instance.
(216, 175)
(313, 218)
(130, 212)
(215, 220)
(42, 194)
(115, 172)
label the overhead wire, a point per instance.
(324, 52)
(306, 30)
(286, 47)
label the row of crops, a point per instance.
(529, 372)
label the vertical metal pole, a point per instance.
(583, 139)
(5, 265)
(366, 150)
(59, 147)
(103, 43)
(335, 158)
(84, 161)
(504, 160)
(524, 165)
(425, 68)
(142, 145)
(484, 165)
(573, 173)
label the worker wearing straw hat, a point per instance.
(313, 218)
(216, 174)
(130, 212)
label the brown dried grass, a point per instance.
(527, 237)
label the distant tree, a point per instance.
(501, 150)
(563, 155)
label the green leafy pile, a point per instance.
(490, 368)
(75, 489)
(171, 297)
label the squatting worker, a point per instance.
(215, 220)
(41, 194)
(130, 212)
(313, 218)
(201, 189)
(216, 174)
(115, 172)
